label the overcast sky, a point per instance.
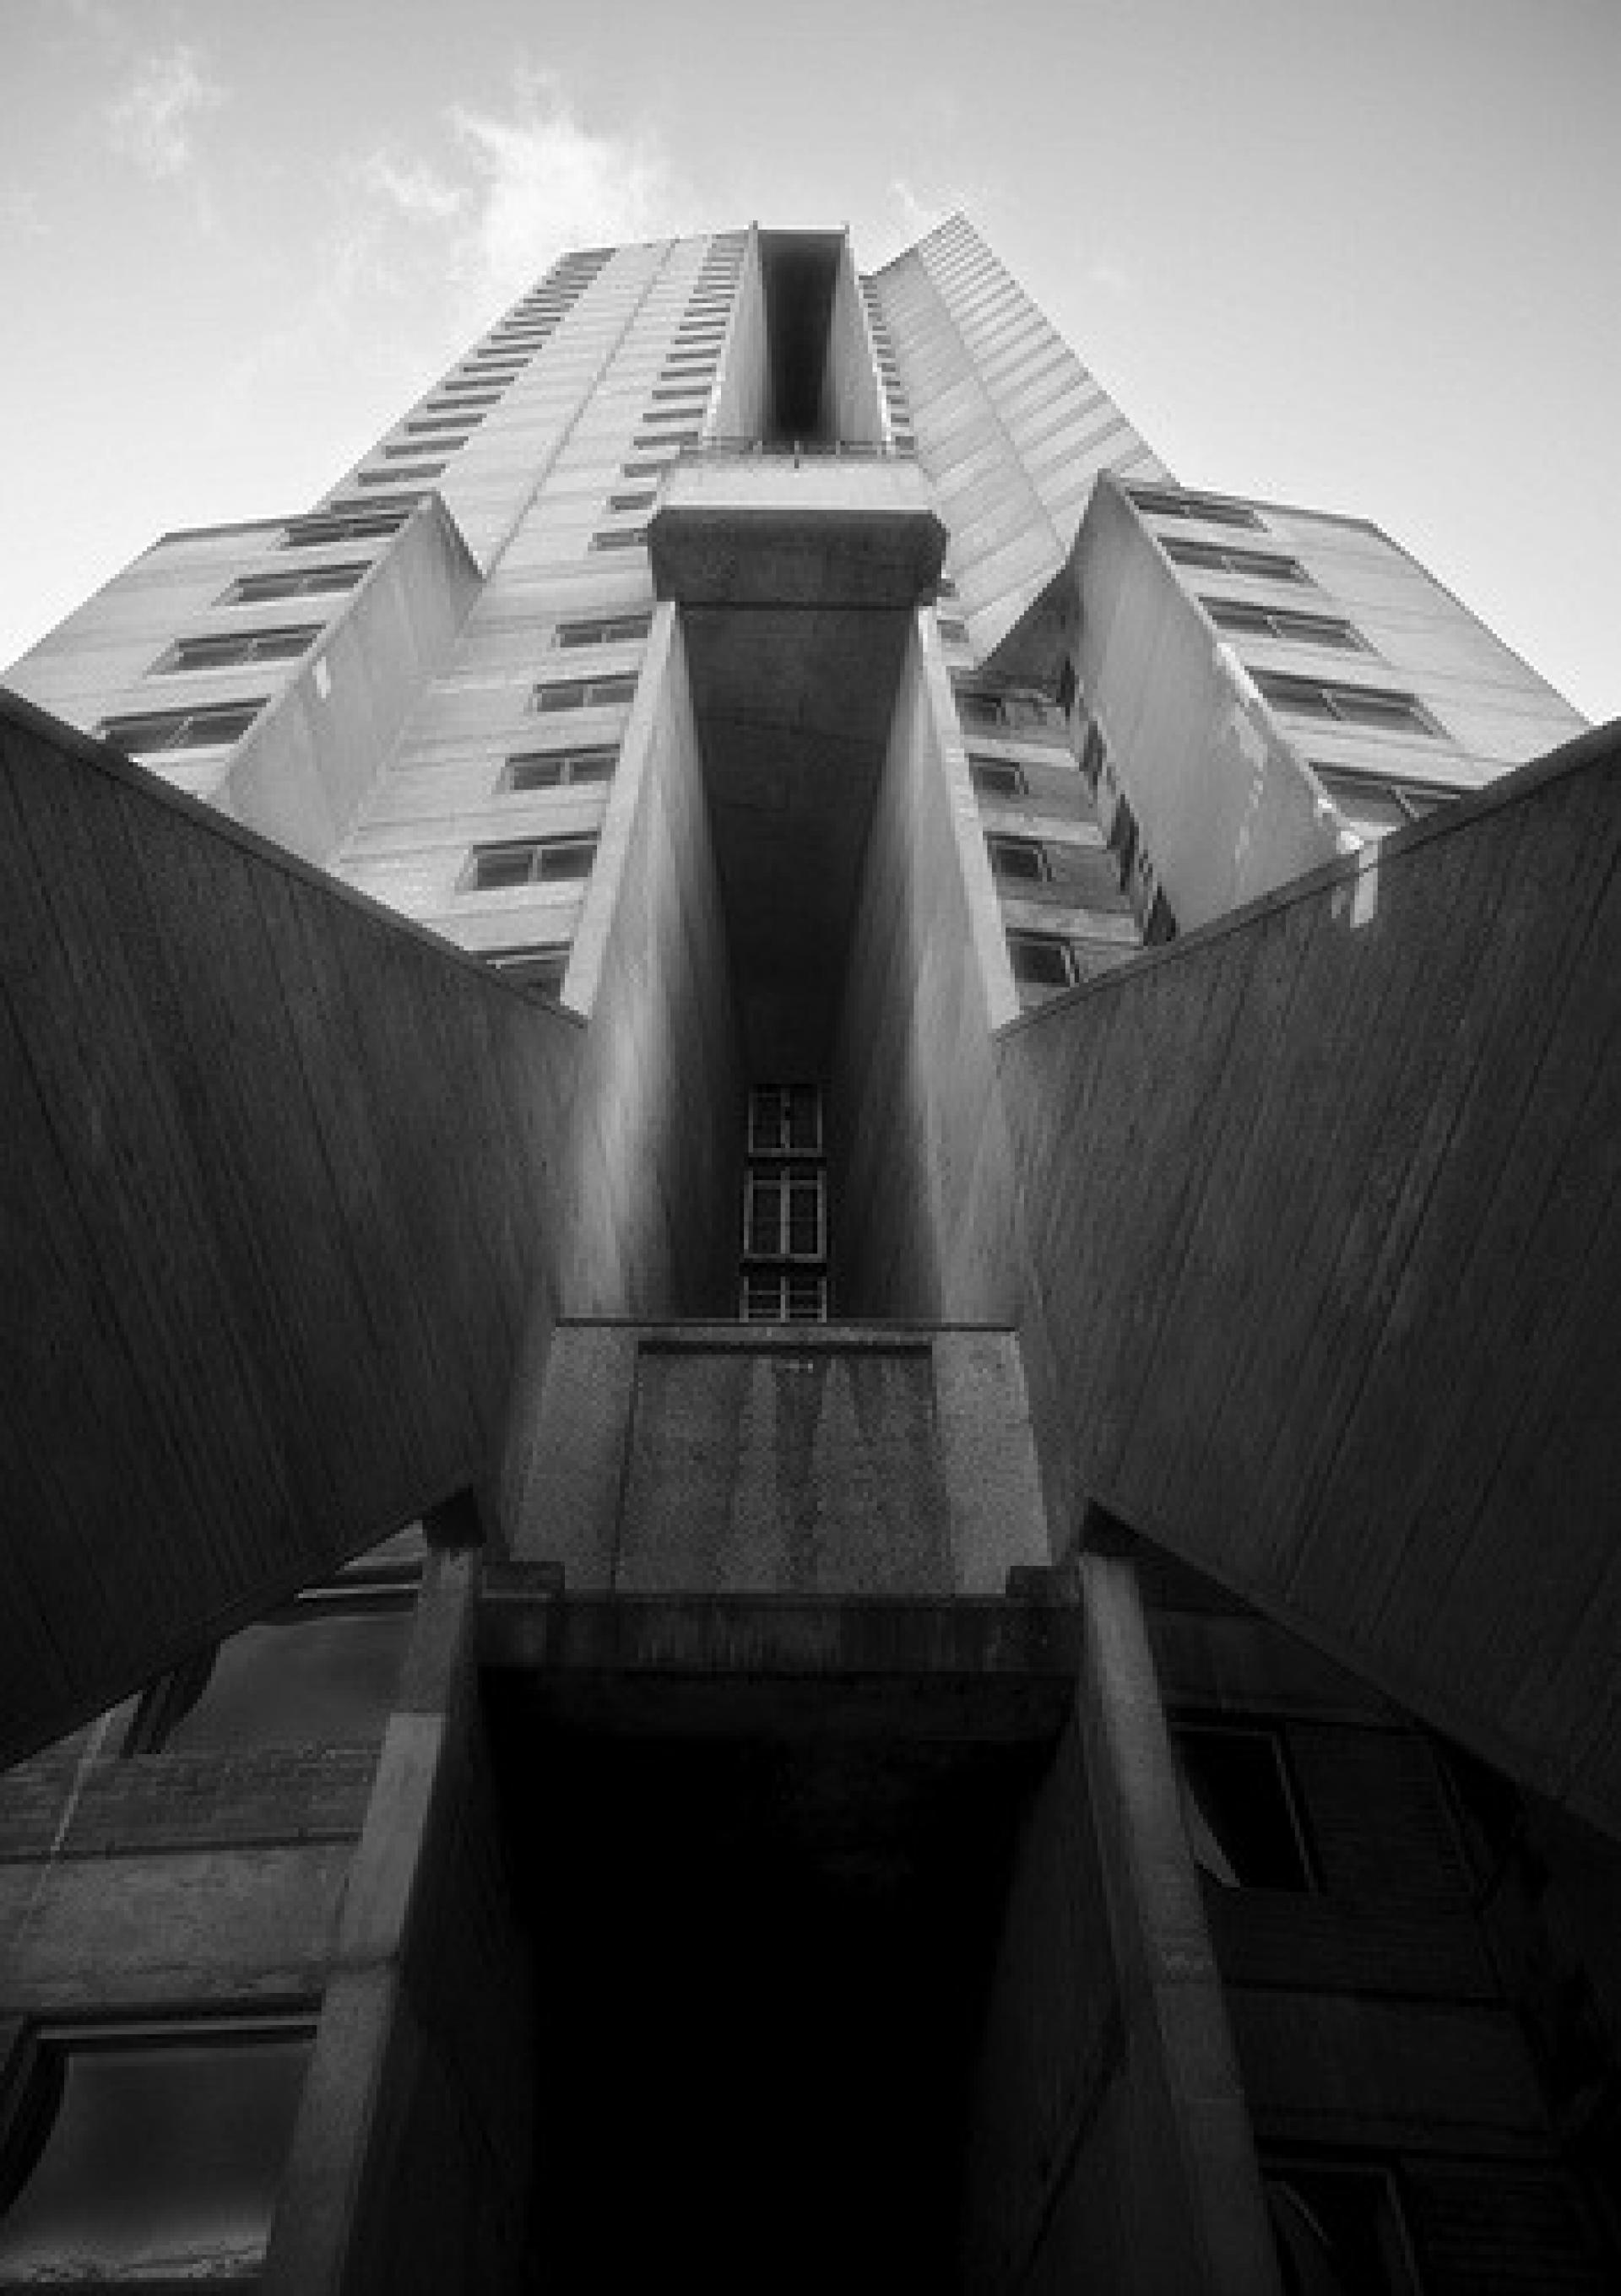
(1363, 257)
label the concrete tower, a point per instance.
(811, 1402)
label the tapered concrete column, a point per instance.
(345, 2142)
(1196, 2221)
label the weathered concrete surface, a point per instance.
(281, 1194)
(816, 1459)
(1322, 1225)
(1111, 2144)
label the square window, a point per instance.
(784, 1119)
(1019, 859)
(1239, 1805)
(1338, 2225)
(994, 777)
(1040, 960)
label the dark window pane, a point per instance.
(311, 1674)
(1039, 961)
(1239, 1811)
(158, 2158)
(500, 867)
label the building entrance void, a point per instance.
(764, 1925)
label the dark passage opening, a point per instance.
(761, 1961)
(799, 272)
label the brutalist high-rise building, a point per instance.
(811, 1410)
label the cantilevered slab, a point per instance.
(278, 1193)
(797, 578)
(1323, 1210)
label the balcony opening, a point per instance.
(821, 391)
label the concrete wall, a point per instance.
(1224, 806)
(919, 1174)
(659, 1119)
(1110, 2146)
(850, 409)
(1011, 428)
(303, 770)
(742, 404)
(807, 1460)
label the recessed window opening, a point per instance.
(142, 2151)
(533, 861)
(1019, 859)
(1339, 2226)
(1040, 960)
(994, 777)
(544, 769)
(1239, 1805)
(263, 589)
(1372, 707)
(583, 693)
(1374, 806)
(365, 526)
(228, 650)
(784, 1119)
(1264, 565)
(1160, 504)
(542, 964)
(1244, 618)
(612, 630)
(158, 733)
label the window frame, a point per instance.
(527, 773)
(109, 729)
(570, 844)
(1290, 694)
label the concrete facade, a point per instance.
(1070, 1757)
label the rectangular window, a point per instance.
(994, 777)
(1218, 558)
(583, 693)
(363, 526)
(533, 861)
(264, 589)
(431, 424)
(624, 538)
(613, 629)
(671, 414)
(637, 501)
(394, 477)
(783, 1212)
(784, 1119)
(1017, 859)
(650, 469)
(669, 438)
(1373, 808)
(952, 633)
(975, 706)
(1244, 618)
(159, 732)
(544, 769)
(542, 966)
(229, 651)
(1338, 2224)
(139, 2152)
(773, 1297)
(1347, 705)
(1238, 1807)
(1160, 502)
(1040, 960)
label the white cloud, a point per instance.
(411, 188)
(151, 122)
(919, 215)
(545, 183)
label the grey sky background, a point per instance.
(1366, 259)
